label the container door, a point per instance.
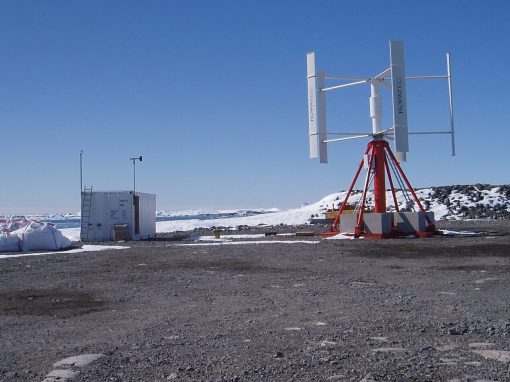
(118, 210)
(147, 215)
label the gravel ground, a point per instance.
(434, 309)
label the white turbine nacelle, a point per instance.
(395, 74)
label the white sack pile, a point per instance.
(23, 235)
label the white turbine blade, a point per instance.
(450, 94)
(316, 111)
(398, 81)
(313, 113)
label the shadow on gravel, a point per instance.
(222, 265)
(55, 303)
(432, 248)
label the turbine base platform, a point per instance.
(385, 225)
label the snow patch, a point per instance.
(446, 232)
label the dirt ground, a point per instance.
(275, 309)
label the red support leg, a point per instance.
(333, 230)
(390, 179)
(357, 230)
(431, 226)
(380, 156)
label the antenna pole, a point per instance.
(450, 95)
(134, 177)
(81, 171)
(134, 172)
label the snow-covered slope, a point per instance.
(447, 202)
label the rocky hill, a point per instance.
(477, 201)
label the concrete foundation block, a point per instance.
(412, 221)
(348, 222)
(377, 223)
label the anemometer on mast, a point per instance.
(379, 160)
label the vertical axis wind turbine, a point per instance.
(378, 159)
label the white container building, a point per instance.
(115, 215)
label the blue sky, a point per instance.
(213, 95)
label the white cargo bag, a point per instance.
(9, 243)
(37, 236)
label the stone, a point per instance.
(61, 375)
(478, 345)
(389, 350)
(78, 360)
(446, 347)
(498, 355)
(328, 345)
